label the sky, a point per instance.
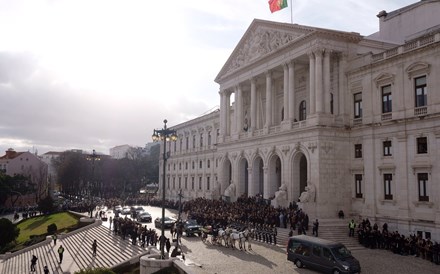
(94, 74)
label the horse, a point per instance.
(238, 236)
(248, 236)
(224, 234)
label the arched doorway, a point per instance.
(274, 175)
(257, 184)
(243, 177)
(227, 175)
(299, 176)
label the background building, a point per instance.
(332, 119)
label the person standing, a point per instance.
(33, 263)
(315, 227)
(168, 245)
(46, 269)
(60, 253)
(54, 237)
(110, 223)
(94, 247)
(351, 226)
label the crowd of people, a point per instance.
(371, 236)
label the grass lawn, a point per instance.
(38, 225)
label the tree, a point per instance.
(9, 232)
(46, 205)
(12, 187)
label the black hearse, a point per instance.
(322, 255)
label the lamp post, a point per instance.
(164, 135)
(92, 157)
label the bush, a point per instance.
(95, 271)
(51, 229)
(9, 232)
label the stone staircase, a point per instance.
(112, 251)
(335, 230)
(21, 263)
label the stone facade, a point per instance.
(351, 120)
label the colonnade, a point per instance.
(320, 97)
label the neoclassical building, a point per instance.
(352, 121)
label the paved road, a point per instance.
(272, 259)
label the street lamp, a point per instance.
(164, 135)
(92, 157)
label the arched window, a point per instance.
(302, 111)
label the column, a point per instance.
(343, 109)
(253, 122)
(286, 92)
(326, 77)
(227, 112)
(319, 92)
(222, 113)
(268, 99)
(238, 109)
(292, 91)
(266, 190)
(312, 82)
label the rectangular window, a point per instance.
(186, 165)
(180, 183)
(200, 164)
(193, 166)
(201, 140)
(192, 183)
(387, 148)
(358, 185)
(194, 141)
(187, 142)
(331, 103)
(386, 99)
(168, 181)
(358, 151)
(186, 182)
(421, 91)
(387, 180)
(208, 183)
(174, 183)
(200, 183)
(208, 164)
(423, 187)
(209, 138)
(357, 105)
(422, 145)
(180, 145)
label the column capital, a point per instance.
(253, 80)
(311, 54)
(318, 51)
(268, 73)
(286, 66)
(291, 64)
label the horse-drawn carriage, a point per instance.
(227, 236)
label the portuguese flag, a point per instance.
(276, 5)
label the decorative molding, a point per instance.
(384, 79)
(424, 204)
(261, 42)
(326, 146)
(312, 146)
(418, 68)
(285, 149)
(384, 168)
(420, 167)
(357, 170)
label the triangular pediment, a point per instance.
(261, 39)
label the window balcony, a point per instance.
(419, 111)
(387, 116)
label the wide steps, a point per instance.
(111, 251)
(22, 262)
(335, 230)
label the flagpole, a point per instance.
(291, 12)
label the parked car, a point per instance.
(125, 211)
(168, 223)
(144, 216)
(118, 209)
(191, 228)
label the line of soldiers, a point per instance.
(261, 232)
(126, 227)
